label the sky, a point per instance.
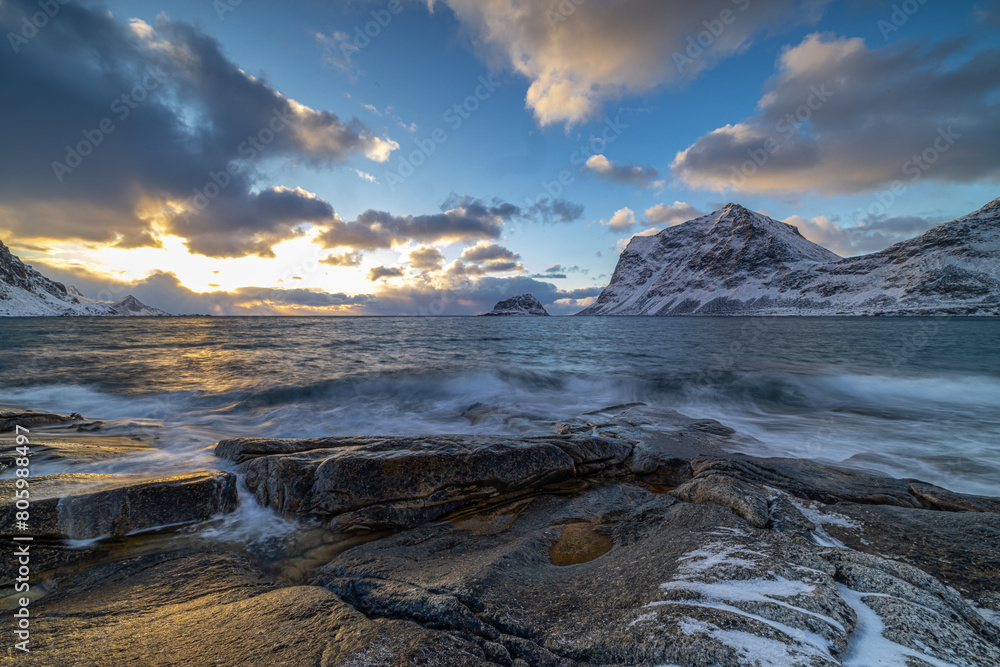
(433, 157)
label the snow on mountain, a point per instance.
(24, 292)
(524, 305)
(739, 262)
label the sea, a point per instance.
(911, 397)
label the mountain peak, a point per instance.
(735, 261)
(26, 292)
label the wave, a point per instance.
(943, 429)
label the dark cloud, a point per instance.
(475, 295)
(556, 210)
(373, 230)
(483, 251)
(502, 266)
(469, 293)
(343, 259)
(426, 258)
(559, 268)
(480, 209)
(111, 130)
(559, 272)
(869, 235)
(384, 272)
(249, 224)
(164, 290)
(906, 225)
(644, 177)
(839, 117)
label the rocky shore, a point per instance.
(628, 536)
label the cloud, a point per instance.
(672, 214)
(426, 258)
(123, 128)
(644, 177)
(456, 292)
(622, 220)
(559, 268)
(839, 117)
(365, 176)
(484, 251)
(343, 259)
(164, 290)
(240, 224)
(470, 220)
(467, 296)
(384, 272)
(556, 210)
(870, 235)
(580, 55)
(623, 243)
(339, 49)
(502, 266)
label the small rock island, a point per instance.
(519, 306)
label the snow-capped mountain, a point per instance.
(524, 305)
(25, 292)
(739, 262)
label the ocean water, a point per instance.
(911, 397)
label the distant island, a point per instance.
(524, 305)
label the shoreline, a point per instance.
(471, 544)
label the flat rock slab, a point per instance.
(378, 482)
(682, 584)
(76, 449)
(87, 506)
(187, 609)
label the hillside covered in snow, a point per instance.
(739, 262)
(24, 292)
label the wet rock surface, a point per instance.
(381, 482)
(11, 419)
(632, 536)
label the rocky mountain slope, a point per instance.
(25, 292)
(739, 262)
(524, 305)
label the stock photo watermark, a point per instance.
(899, 17)
(915, 168)
(30, 25)
(699, 44)
(454, 117)
(22, 543)
(121, 108)
(351, 44)
(552, 190)
(249, 149)
(561, 13)
(787, 127)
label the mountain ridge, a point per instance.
(24, 292)
(735, 261)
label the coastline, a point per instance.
(630, 533)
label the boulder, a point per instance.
(83, 506)
(380, 482)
